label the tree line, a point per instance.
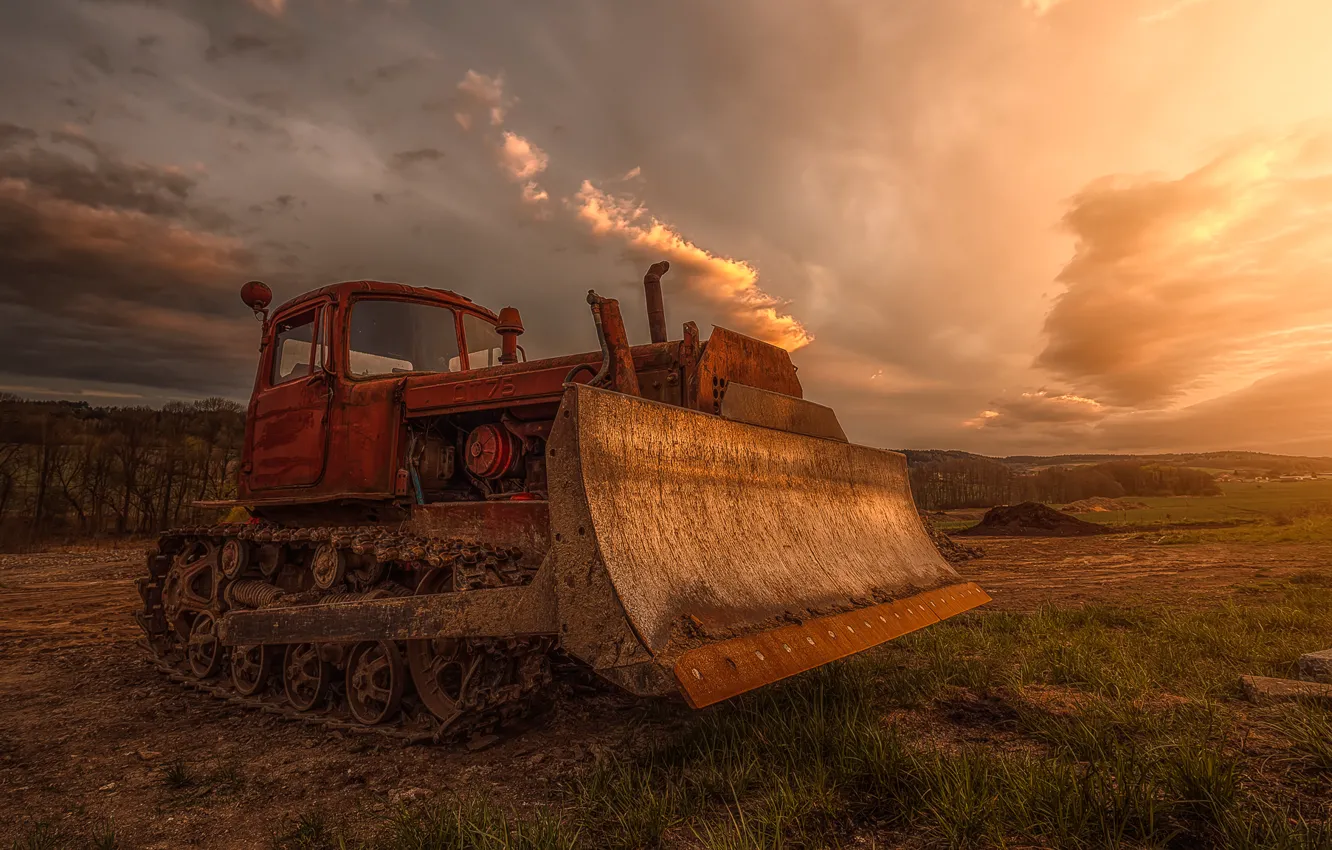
(68, 469)
(975, 482)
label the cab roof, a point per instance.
(347, 288)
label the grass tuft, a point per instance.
(47, 835)
(178, 775)
(312, 831)
(1308, 727)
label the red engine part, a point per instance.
(492, 452)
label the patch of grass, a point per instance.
(178, 775)
(1308, 727)
(102, 836)
(1317, 578)
(42, 835)
(455, 824)
(471, 825)
(1122, 653)
(1278, 511)
(1266, 827)
(1276, 529)
(1239, 500)
(227, 779)
(312, 831)
(76, 834)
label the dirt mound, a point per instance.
(1100, 504)
(952, 551)
(1032, 519)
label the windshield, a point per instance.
(291, 358)
(483, 342)
(388, 337)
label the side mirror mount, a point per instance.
(509, 327)
(257, 296)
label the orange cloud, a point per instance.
(1040, 406)
(129, 237)
(534, 194)
(731, 285)
(1177, 284)
(1040, 7)
(1287, 412)
(483, 92)
(521, 159)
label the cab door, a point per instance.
(290, 412)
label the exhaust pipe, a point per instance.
(656, 310)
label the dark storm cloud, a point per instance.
(113, 271)
(238, 45)
(106, 182)
(78, 140)
(12, 133)
(55, 250)
(405, 159)
(110, 342)
(97, 56)
(890, 172)
(384, 74)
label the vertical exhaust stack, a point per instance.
(655, 308)
(509, 327)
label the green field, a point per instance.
(1240, 500)
(1267, 512)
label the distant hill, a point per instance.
(919, 457)
(1239, 461)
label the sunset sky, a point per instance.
(1007, 226)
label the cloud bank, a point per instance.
(1005, 227)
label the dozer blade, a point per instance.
(727, 555)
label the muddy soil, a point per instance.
(89, 728)
(1024, 573)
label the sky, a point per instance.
(1005, 226)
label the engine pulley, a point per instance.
(492, 451)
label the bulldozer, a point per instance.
(433, 523)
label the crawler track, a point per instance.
(455, 690)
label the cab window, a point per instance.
(292, 348)
(483, 343)
(392, 337)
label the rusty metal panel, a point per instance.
(365, 425)
(290, 436)
(660, 385)
(500, 386)
(719, 671)
(721, 527)
(785, 413)
(729, 356)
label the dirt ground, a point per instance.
(88, 726)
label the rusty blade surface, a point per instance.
(719, 671)
(733, 527)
